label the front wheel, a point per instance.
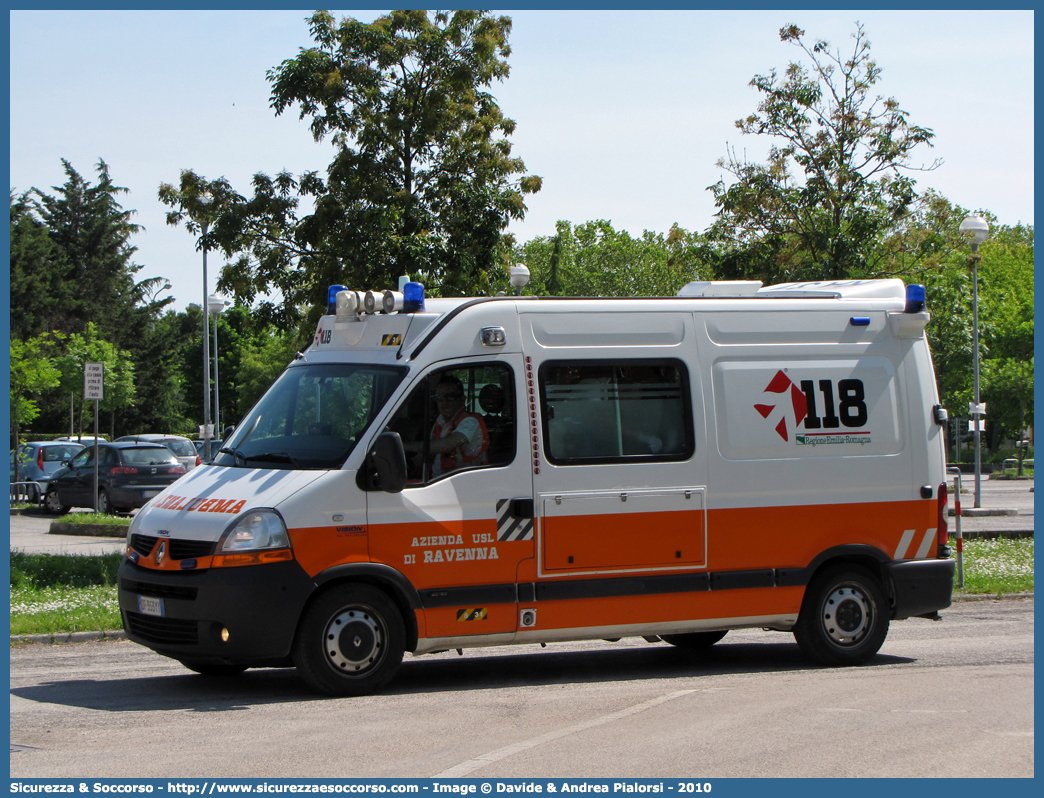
(844, 617)
(53, 503)
(694, 639)
(350, 641)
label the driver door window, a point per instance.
(457, 419)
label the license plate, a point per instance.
(148, 494)
(150, 606)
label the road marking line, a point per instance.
(502, 753)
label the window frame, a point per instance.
(588, 362)
(426, 383)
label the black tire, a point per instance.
(843, 618)
(53, 503)
(104, 503)
(695, 639)
(214, 668)
(350, 641)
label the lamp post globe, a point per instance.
(519, 276)
(976, 228)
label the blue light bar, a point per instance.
(331, 299)
(915, 298)
(412, 297)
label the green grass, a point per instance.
(52, 594)
(55, 610)
(999, 566)
(94, 518)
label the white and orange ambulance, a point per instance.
(451, 473)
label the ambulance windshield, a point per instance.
(311, 418)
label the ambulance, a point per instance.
(434, 474)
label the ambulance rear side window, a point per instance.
(615, 411)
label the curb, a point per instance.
(89, 530)
(992, 596)
(89, 637)
(70, 637)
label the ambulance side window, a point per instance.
(616, 411)
(457, 419)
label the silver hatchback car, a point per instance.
(182, 447)
(38, 460)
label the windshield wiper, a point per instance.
(272, 457)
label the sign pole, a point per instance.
(94, 390)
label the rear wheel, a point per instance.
(694, 639)
(350, 641)
(104, 504)
(844, 617)
(53, 503)
(213, 668)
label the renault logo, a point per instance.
(161, 552)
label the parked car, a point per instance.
(182, 447)
(214, 446)
(38, 460)
(86, 440)
(129, 474)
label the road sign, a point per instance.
(976, 425)
(977, 409)
(93, 379)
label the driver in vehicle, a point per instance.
(459, 438)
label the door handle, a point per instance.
(521, 508)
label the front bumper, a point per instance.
(920, 587)
(259, 605)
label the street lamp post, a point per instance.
(979, 229)
(204, 221)
(216, 304)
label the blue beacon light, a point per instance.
(915, 298)
(412, 297)
(331, 298)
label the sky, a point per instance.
(624, 114)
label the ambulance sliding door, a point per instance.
(620, 482)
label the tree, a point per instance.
(40, 296)
(594, 259)
(92, 231)
(118, 374)
(32, 372)
(422, 181)
(836, 179)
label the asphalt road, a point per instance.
(952, 698)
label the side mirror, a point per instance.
(228, 432)
(385, 465)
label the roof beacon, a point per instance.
(914, 298)
(412, 297)
(331, 299)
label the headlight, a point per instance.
(256, 529)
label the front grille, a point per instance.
(188, 549)
(177, 549)
(171, 631)
(159, 591)
(143, 544)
